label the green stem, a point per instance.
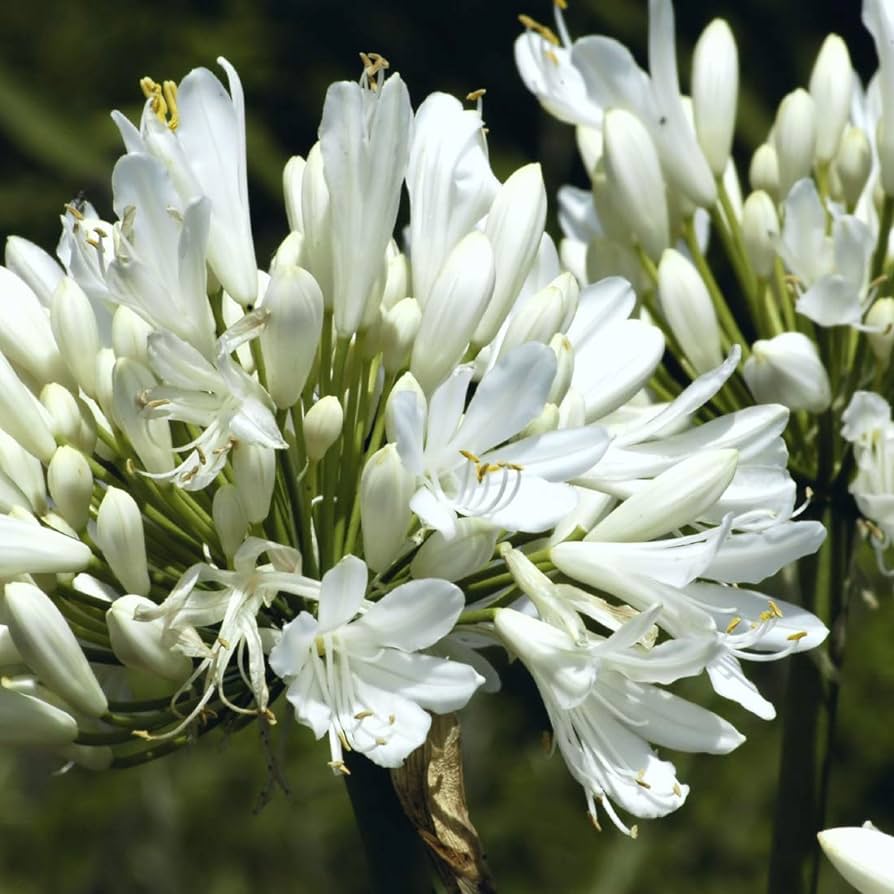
(881, 247)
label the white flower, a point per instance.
(864, 856)
(787, 369)
(460, 455)
(354, 671)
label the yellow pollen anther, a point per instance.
(594, 822)
(202, 458)
(544, 31)
(562, 4)
(733, 624)
(677, 790)
(169, 89)
(95, 243)
(775, 609)
(467, 454)
(163, 99)
(641, 779)
(362, 715)
(340, 767)
(634, 832)
(73, 211)
(344, 740)
(373, 63)
(794, 637)
(551, 56)
(475, 95)
(223, 642)
(392, 719)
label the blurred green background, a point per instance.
(194, 822)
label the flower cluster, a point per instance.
(356, 475)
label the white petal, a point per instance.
(863, 856)
(343, 589)
(730, 682)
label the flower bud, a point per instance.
(322, 426)
(26, 547)
(715, 90)
(760, 232)
(119, 534)
(289, 253)
(49, 648)
(831, 86)
(787, 370)
(70, 419)
(543, 314)
(317, 220)
(634, 174)
(794, 138)
(763, 174)
(397, 277)
(21, 415)
(142, 645)
(675, 498)
(589, 146)
(562, 348)
(405, 383)
(292, 177)
(386, 487)
(398, 332)
(37, 269)
(90, 757)
(290, 337)
(254, 474)
(25, 470)
(573, 410)
(74, 327)
(71, 485)
(29, 721)
(9, 654)
(514, 227)
(467, 551)
(130, 335)
(547, 420)
(230, 519)
(862, 856)
(853, 164)
(458, 298)
(689, 311)
(881, 317)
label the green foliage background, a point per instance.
(195, 821)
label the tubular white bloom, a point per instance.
(355, 672)
(760, 231)
(322, 426)
(120, 536)
(831, 86)
(863, 855)
(853, 164)
(794, 138)
(787, 369)
(386, 487)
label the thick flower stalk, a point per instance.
(343, 478)
(803, 233)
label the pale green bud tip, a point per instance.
(881, 318)
(853, 164)
(70, 482)
(763, 174)
(760, 232)
(322, 426)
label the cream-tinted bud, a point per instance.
(397, 276)
(25, 470)
(763, 173)
(794, 138)
(9, 654)
(292, 177)
(397, 331)
(130, 335)
(573, 410)
(760, 232)
(290, 337)
(689, 311)
(881, 318)
(853, 164)
(229, 517)
(589, 145)
(862, 855)
(715, 91)
(21, 415)
(76, 332)
(634, 174)
(289, 252)
(787, 370)
(39, 270)
(469, 549)
(26, 337)
(29, 721)
(543, 314)
(547, 420)
(254, 474)
(143, 645)
(119, 534)
(316, 218)
(70, 482)
(407, 382)
(322, 426)
(564, 351)
(70, 418)
(831, 86)
(48, 646)
(514, 227)
(386, 487)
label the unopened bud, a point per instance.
(469, 549)
(853, 164)
(254, 474)
(119, 534)
(22, 416)
(76, 332)
(543, 314)
(831, 86)
(29, 721)
(143, 645)
(397, 332)
(715, 90)
(760, 232)
(881, 317)
(763, 174)
(71, 485)
(794, 137)
(130, 335)
(289, 339)
(229, 517)
(689, 311)
(70, 418)
(25, 470)
(39, 270)
(386, 487)
(47, 645)
(546, 420)
(787, 370)
(292, 177)
(634, 174)
(322, 426)
(397, 276)
(562, 348)
(289, 252)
